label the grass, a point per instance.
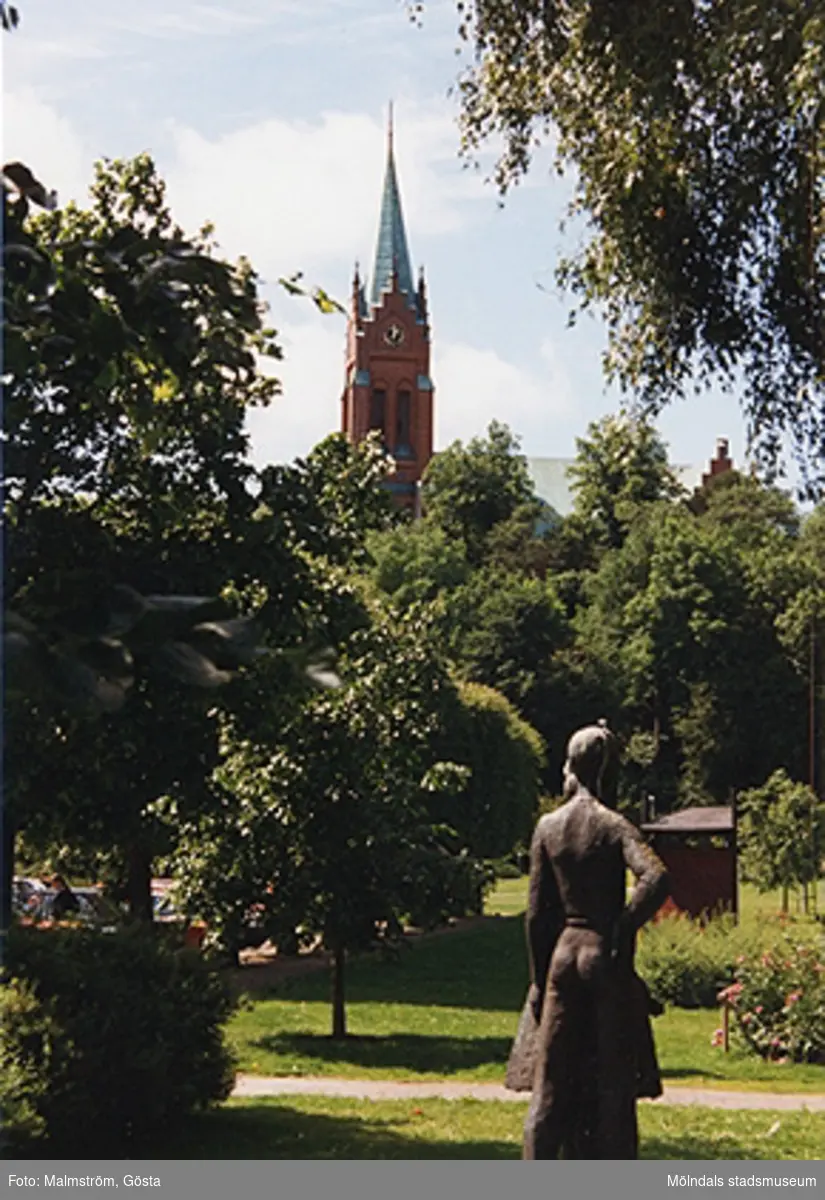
(320, 1127)
(448, 1009)
(508, 898)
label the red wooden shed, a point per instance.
(698, 847)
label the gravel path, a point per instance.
(386, 1089)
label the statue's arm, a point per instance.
(545, 917)
(652, 883)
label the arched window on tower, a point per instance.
(403, 424)
(378, 406)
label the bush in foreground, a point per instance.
(107, 1039)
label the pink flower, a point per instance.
(718, 1038)
(747, 1018)
(792, 999)
(758, 1009)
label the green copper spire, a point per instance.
(391, 253)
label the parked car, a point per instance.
(24, 893)
(36, 903)
(165, 912)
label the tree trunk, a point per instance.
(139, 884)
(339, 1012)
(784, 897)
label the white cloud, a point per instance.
(312, 374)
(36, 134)
(475, 386)
(295, 195)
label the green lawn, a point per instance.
(319, 1127)
(448, 1008)
(508, 899)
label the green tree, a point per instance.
(695, 134)
(102, 778)
(126, 473)
(331, 831)
(341, 483)
(416, 563)
(130, 351)
(801, 629)
(685, 619)
(523, 541)
(130, 360)
(495, 810)
(621, 465)
(504, 629)
(469, 489)
(781, 835)
(759, 511)
(509, 631)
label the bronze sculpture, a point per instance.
(584, 1042)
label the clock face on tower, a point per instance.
(394, 334)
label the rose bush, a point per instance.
(778, 998)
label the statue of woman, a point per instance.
(592, 1054)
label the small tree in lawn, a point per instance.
(781, 835)
(332, 830)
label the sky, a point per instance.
(268, 118)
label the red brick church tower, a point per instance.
(387, 383)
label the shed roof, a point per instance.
(711, 819)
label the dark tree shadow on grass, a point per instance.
(275, 1130)
(694, 1073)
(416, 1052)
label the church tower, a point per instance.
(387, 382)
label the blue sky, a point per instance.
(268, 117)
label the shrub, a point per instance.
(779, 1000)
(25, 1032)
(549, 804)
(687, 962)
(496, 808)
(110, 1037)
(504, 868)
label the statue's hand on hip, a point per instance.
(621, 947)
